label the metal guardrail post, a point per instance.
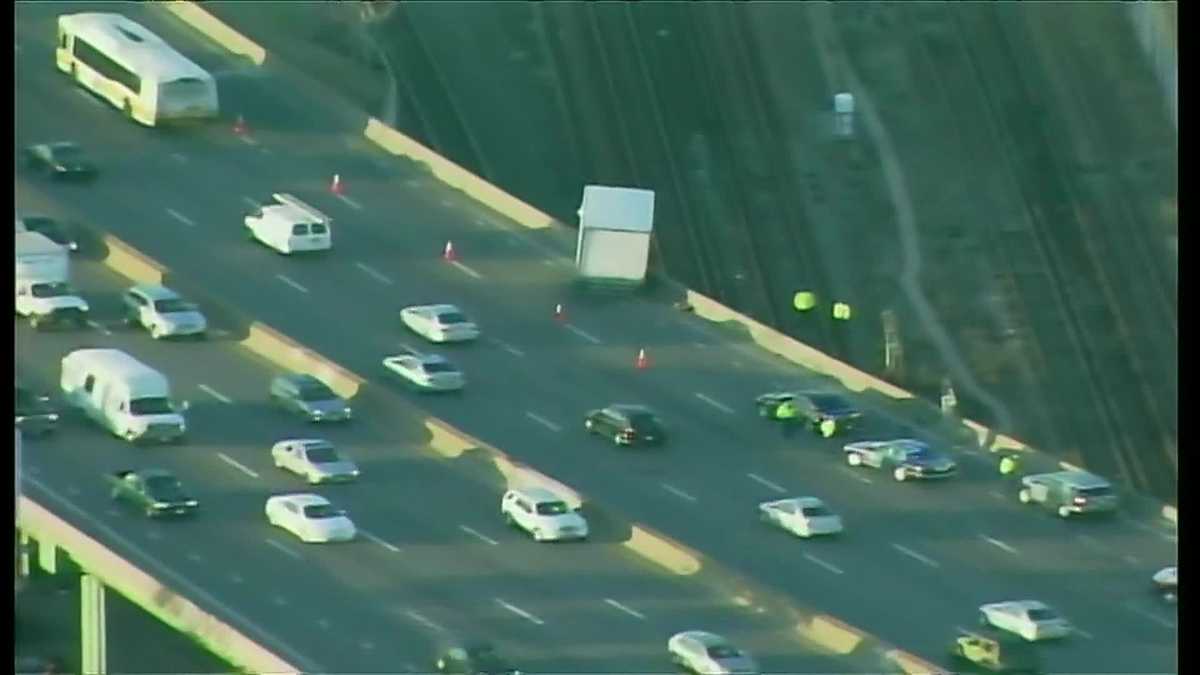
(93, 633)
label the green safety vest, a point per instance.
(786, 411)
(828, 427)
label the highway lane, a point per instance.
(437, 557)
(419, 226)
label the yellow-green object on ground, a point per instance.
(803, 301)
(841, 311)
(786, 411)
(828, 427)
(1008, 465)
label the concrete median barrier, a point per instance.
(446, 440)
(833, 634)
(218, 31)
(129, 262)
(165, 603)
(457, 177)
(912, 665)
(283, 351)
(663, 551)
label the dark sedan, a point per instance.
(813, 408)
(62, 159)
(479, 658)
(34, 415)
(626, 424)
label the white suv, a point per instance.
(290, 225)
(163, 312)
(542, 514)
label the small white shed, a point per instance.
(615, 224)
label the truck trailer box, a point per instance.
(615, 226)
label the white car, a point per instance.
(290, 226)
(542, 514)
(1166, 581)
(802, 516)
(426, 371)
(314, 459)
(707, 653)
(162, 311)
(439, 323)
(1030, 619)
(310, 517)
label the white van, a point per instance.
(122, 394)
(43, 290)
(290, 225)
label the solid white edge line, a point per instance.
(181, 218)
(466, 269)
(519, 612)
(214, 393)
(542, 421)
(378, 540)
(280, 547)
(183, 582)
(999, 544)
(236, 464)
(715, 403)
(916, 556)
(291, 282)
(623, 608)
(763, 481)
(583, 334)
(419, 618)
(374, 273)
(353, 204)
(817, 561)
(678, 493)
(478, 535)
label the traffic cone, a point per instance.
(448, 254)
(643, 362)
(560, 314)
(336, 186)
(239, 126)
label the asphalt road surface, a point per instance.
(916, 561)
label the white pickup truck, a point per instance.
(44, 293)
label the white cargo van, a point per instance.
(290, 226)
(44, 292)
(127, 397)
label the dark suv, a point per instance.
(34, 415)
(814, 408)
(626, 425)
(309, 397)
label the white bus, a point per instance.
(133, 69)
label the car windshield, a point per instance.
(173, 305)
(150, 406)
(322, 454)
(643, 420)
(1042, 615)
(165, 487)
(1098, 491)
(916, 452)
(316, 392)
(39, 224)
(552, 508)
(816, 511)
(439, 367)
(66, 151)
(322, 511)
(723, 652)
(451, 318)
(51, 290)
(829, 402)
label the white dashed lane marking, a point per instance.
(916, 556)
(715, 403)
(290, 282)
(631, 612)
(181, 218)
(817, 561)
(424, 621)
(236, 464)
(678, 493)
(543, 421)
(214, 393)
(379, 541)
(99, 327)
(374, 273)
(477, 535)
(349, 202)
(253, 203)
(520, 612)
(284, 549)
(509, 348)
(763, 481)
(999, 544)
(583, 334)
(466, 269)
(856, 475)
(1165, 623)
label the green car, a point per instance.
(991, 651)
(155, 492)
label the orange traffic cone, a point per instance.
(448, 254)
(560, 314)
(239, 125)
(336, 186)
(643, 362)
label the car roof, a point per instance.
(155, 292)
(1080, 479)
(630, 408)
(807, 501)
(432, 358)
(303, 499)
(310, 443)
(706, 638)
(299, 378)
(539, 494)
(60, 145)
(154, 473)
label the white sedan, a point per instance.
(1167, 582)
(426, 371)
(707, 653)
(802, 516)
(439, 323)
(1030, 619)
(310, 517)
(314, 459)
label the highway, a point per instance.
(434, 559)
(916, 561)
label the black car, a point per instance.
(626, 424)
(35, 416)
(156, 492)
(58, 232)
(478, 658)
(813, 407)
(62, 159)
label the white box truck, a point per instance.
(44, 292)
(615, 224)
(122, 394)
